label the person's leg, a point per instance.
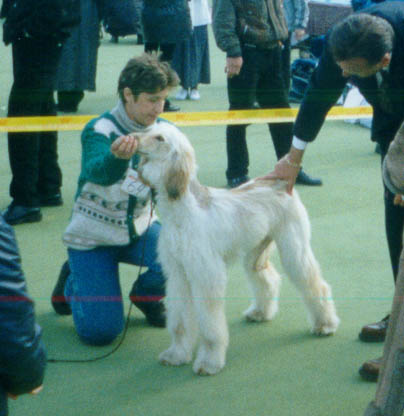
(150, 47)
(94, 294)
(394, 226)
(49, 172)
(394, 222)
(149, 288)
(241, 90)
(34, 68)
(68, 101)
(271, 93)
(167, 51)
(286, 63)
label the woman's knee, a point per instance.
(98, 335)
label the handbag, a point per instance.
(99, 217)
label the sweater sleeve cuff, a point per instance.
(298, 143)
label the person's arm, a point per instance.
(301, 16)
(224, 25)
(99, 164)
(325, 87)
(22, 353)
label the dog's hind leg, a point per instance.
(300, 264)
(208, 290)
(181, 322)
(265, 282)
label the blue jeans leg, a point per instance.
(93, 289)
(151, 284)
(94, 293)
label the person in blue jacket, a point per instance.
(22, 353)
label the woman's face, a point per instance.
(146, 107)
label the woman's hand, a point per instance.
(124, 147)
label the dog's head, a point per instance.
(167, 159)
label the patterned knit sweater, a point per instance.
(101, 170)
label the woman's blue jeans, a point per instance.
(93, 289)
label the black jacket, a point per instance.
(327, 84)
(22, 354)
(39, 19)
(166, 21)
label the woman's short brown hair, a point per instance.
(146, 73)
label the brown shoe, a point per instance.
(370, 369)
(375, 332)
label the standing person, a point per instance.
(78, 63)
(139, 6)
(112, 212)
(388, 399)
(251, 33)
(22, 353)
(297, 18)
(165, 22)
(368, 49)
(191, 57)
(36, 31)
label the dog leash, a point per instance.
(122, 338)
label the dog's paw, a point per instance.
(207, 368)
(253, 314)
(326, 328)
(174, 356)
(209, 361)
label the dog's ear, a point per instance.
(178, 175)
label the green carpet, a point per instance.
(273, 369)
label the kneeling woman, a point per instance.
(112, 220)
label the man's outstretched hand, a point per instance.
(287, 168)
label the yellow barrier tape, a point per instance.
(202, 118)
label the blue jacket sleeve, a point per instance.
(22, 354)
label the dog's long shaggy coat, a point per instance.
(206, 228)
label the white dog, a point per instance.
(206, 228)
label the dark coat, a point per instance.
(78, 63)
(166, 21)
(327, 84)
(22, 354)
(39, 19)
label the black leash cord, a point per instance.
(101, 357)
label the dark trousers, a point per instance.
(286, 54)
(166, 49)
(260, 79)
(394, 222)
(33, 155)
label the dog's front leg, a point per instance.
(209, 307)
(180, 322)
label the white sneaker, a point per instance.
(182, 94)
(194, 95)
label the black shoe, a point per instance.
(375, 332)
(152, 307)
(233, 183)
(18, 214)
(370, 369)
(54, 200)
(58, 300)
(170, 107)
(304, 179)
